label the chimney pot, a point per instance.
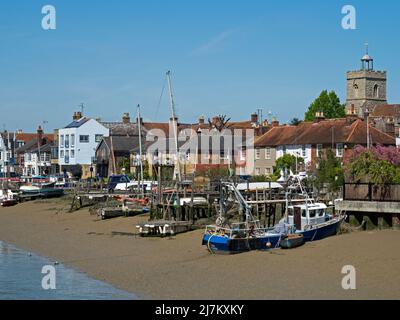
(126, 119)
(77, 115)
(254, 117)
(40, 136)
(201, 120)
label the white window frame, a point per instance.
(339, 150)
(268, 153)
(258, 154)
(84, 141)
(303, 151)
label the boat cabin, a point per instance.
(304, 216)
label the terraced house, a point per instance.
(311, 140)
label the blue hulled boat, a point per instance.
(310, 220)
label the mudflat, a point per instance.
(181, 268)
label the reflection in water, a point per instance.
(21, 278)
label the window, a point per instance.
(284, 150)
(0, 155)
(67, 140)
(83, 138)
(355, 91)
(72, 140)
(98, 137)
(66, 157)
(312, 213)
(258, 171)
(62, 141)
(376, 91)
(72, 154)
(62, 154)
(339, 149)
(268, 153)
(222, 154)
(319, 150)
(303, 151)
(267, 171)
(258, 153)
(243, 154)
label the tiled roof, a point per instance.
(121, 143)
(30, 136)
(386, 110)
(324, 132)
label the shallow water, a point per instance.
(21, 278)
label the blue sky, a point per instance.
(226, 57)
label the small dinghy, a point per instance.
(9, 202)
(292, 241)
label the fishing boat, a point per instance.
(306, 222)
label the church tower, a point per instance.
(366, 87)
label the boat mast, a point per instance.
(140, 148)
(174, 124)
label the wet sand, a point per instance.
(181, 268)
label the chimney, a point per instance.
(201, 120)
(126, 119)
(254, 118)
(274, 123)
(319, 116)
(40, 136)
(77, 115)
(351, 115)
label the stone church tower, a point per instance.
(366, 88)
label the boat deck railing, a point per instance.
(237, 232)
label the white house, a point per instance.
(78, 142)
(35, 166)
(7, 152)
(300, 151)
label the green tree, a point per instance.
(330, 171)
(295, 122)
(286, 163)
(124, 163)
(365, 167)
(328, 103)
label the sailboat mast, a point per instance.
(140, 147)
(174, 124)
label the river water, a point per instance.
(21, 278)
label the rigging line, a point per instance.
(159, 101)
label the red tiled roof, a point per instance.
(324, 132)
(30, 136)
(386, 110)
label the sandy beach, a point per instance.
(181, 268)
